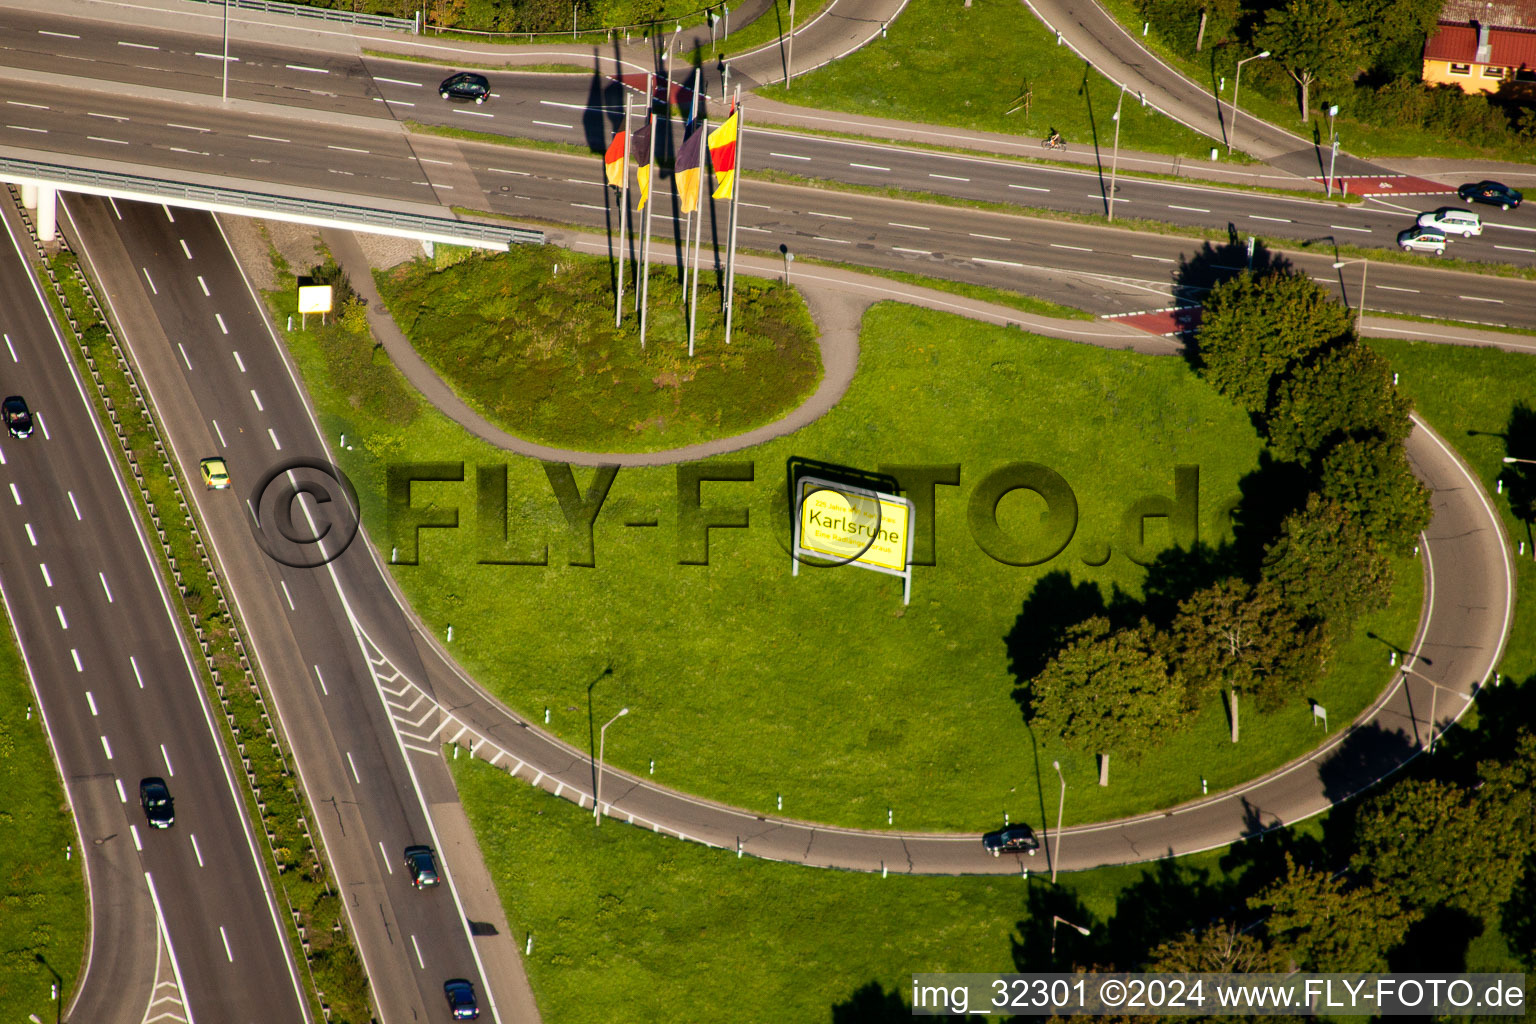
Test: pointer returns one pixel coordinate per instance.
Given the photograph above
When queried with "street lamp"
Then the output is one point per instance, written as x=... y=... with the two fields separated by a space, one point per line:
x=1114 y=164
x=1511 y=458
x=1055 y=920
x=1434 y=693
x=1365 y=266
x=1236 y=82
x=1333 y=110
x=597 y=796
x=1061 y=810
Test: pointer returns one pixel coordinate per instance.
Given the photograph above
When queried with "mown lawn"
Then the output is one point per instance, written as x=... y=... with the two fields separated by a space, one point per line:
x=43 y=913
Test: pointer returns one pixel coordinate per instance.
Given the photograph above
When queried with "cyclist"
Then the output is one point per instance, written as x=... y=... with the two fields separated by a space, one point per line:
x=1054 y=139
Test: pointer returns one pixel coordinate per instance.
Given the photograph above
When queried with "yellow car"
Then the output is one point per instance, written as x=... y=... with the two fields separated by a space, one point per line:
x=215 y=474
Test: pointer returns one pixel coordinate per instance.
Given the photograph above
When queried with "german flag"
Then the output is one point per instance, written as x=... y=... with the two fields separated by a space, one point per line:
x=722 y=155
x=640 y=153
x=687 y=173
x=613 y=161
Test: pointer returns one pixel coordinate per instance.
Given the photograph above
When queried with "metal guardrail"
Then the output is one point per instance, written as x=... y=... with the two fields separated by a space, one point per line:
x=322 y=14
x=259 y=203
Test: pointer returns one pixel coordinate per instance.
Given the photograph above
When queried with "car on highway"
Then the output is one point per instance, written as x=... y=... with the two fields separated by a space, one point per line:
x=1422 y=239
x=215 y=473
x=421 y=866
x=461 y=998
x=159 y=808
x=466 y=85
x=1013 y=839
x=18 y=419
x=1451 y=221
x=1494 y=193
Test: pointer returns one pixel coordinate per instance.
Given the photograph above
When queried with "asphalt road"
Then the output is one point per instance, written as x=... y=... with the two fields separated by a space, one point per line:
x=122 y=700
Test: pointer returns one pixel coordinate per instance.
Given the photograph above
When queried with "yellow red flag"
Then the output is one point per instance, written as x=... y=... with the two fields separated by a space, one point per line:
x=722 y=156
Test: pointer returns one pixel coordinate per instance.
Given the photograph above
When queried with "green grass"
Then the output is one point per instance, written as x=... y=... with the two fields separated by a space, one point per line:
x=745 y=683
x=43 y=910
x=527 y=339
x=1013 y=300
x=946 y=64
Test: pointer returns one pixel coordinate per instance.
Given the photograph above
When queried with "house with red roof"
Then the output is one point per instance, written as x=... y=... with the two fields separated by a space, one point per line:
x=1481 y=44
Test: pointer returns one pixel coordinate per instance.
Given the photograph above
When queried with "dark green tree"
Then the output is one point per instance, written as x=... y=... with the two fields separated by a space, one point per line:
x=1392 y=33
x=1255 y=329
x=1107 y=691
x=1369 y=477
x=1314 y=40
x=1343 y=391
x=1325 y=566
x=1219 y=948
x=1331 y=925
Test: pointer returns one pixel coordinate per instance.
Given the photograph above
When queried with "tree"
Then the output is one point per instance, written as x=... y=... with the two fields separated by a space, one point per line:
x=1332 y=926
x=1107 y=691
x=1371 y=480
x=1314 y=40
x=1255 y=329
x=1344 y=390
x=1219 y=948
x=1392 y=33
x=1325 y=566
x=1244 y=638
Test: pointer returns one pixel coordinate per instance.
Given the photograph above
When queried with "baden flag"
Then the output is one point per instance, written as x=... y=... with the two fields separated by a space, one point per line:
x=640 y=152
x=722 y=156
x=686 y=172
x=613 y=161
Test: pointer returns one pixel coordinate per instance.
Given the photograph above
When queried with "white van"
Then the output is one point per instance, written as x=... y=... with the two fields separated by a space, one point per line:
x=1453 y=221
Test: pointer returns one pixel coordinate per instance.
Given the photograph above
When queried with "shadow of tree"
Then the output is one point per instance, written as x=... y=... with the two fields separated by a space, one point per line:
x=1519 y=478
x=1355 y=764
x=871 y=1003
x=1437 y=942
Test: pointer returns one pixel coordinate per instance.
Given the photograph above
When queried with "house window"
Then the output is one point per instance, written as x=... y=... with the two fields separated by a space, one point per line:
x=1492 y=72
x=1461 y=69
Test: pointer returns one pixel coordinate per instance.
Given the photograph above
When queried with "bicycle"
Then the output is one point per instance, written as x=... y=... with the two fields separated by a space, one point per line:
x=1054 y=142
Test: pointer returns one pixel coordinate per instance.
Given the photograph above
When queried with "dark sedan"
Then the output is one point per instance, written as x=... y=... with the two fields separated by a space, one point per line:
x=1014 y=839
x=18 y=419
x=461 y=998
x=1494 y=193
x=159 y=808
x=421 y=866
x=466 y=85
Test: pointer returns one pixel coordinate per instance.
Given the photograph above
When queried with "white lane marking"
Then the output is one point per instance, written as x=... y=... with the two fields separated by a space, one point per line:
x=834 y=216
x=107 y=747
x=91 y=700
x=1277 y=220
x=184 y=358
x=167 y=758
x=1191 y=209
x=168 y=214
x=398 y=103
x=184 y=248
x=227 y=952
x=1514 y=248
x=215 y=56
x=152 y=288
x=137 y=46
x=588 y=206
x=546 y=124
x=240 y=363
x=73 y=505
x=397 y=81
x=476 y=113
x=11 y=348
x=1100 y=196
x=74 y=654
x=24 y=128
x=46 y=578
x=136 y=844
x=305 y=67
x=103 y=577
x=63 y=622
x=61 y=35
x=216 y=430
x=1479 y=298
x=257 y=399
x=1156 y=259
x=527 y=174
x=322 y=681
x=284 y=585
x=991 y=238
x=748 y=227
x=425 y=160
x=19 y=103
x=204 y=285
x=1000 y=263
x=134 y=662
x=273 y=435
x=758 y=206
x=348 y=149
x=30 y=535
x=99 y=138
x=15 y=494
x=122 y=796
x=115 y=210
x=106 y=117
x=353 y=765
x=947 y=177
x=193 y=837
x=913 y=227
x=1029 y=188
x=187 y=127
x=789 y=156
x=419 y=962
x=1346 y=227
x=42 y=425
x=920 y=252
x=868 y=167
x=1395 y=288
x=268 y=138
x=1079 y=248
x=838 y=241
x=220 y=318
x=387 y=866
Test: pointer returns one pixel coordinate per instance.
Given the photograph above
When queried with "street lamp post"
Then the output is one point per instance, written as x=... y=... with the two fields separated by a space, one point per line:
x=1333 y=110
x=1365 y=266
x=1236 y=82
x=1114 y=165
x=597 y=796
x=1434 y=693
x=1055 y=920
x=1061 y=810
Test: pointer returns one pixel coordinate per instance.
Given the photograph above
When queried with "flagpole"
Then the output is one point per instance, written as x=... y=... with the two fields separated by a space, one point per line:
x=693 y=110
x=693 y=300
x=618 y=305
x=644 y=294
x=730 y=258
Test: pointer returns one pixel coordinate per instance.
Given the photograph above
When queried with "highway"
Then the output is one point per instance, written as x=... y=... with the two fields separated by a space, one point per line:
x=122 y=700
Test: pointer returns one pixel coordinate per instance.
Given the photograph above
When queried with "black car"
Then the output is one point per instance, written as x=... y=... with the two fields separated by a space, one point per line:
x=466 y=85
x=1014 y=839
x=159 y=808
x=461 y=998
x=18 y=419
x=421 y=866
x=1494 y=193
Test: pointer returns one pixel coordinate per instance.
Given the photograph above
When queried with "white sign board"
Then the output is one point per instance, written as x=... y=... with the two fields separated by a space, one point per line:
x=849 y=525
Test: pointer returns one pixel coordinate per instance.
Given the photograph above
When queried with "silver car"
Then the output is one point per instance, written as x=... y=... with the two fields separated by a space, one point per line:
x=1452 y=221
x=1422 y=239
